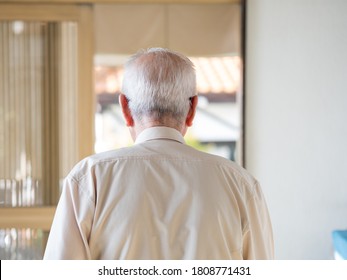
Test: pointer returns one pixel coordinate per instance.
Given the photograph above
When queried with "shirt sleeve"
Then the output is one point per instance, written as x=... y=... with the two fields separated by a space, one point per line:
x=69 y=234
x=258 y=241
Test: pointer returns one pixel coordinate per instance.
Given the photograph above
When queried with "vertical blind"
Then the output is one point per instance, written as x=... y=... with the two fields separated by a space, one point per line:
x=38 y=110
x=38 y=122
x=21 y=93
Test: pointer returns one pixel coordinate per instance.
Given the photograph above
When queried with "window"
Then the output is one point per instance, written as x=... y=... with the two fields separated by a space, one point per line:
x=209 y=34
x=217 y=126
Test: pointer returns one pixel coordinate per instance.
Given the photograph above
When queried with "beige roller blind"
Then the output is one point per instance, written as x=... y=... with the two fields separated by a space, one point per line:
x=204 y=30
x=194 y=29
x=123 y=29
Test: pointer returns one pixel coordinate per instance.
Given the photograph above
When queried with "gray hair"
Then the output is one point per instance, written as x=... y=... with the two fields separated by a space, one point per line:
x=158 y=84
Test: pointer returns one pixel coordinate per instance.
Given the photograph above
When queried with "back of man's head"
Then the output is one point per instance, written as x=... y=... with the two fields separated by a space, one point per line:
x=158 y=84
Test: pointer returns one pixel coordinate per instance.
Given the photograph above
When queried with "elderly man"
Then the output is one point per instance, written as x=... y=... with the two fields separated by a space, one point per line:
x=160 y=198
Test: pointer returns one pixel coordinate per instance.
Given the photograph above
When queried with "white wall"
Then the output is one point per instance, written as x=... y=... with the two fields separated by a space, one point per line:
x=296 y=114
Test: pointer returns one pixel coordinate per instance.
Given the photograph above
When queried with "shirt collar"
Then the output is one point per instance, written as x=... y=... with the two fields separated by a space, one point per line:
x=159 y=132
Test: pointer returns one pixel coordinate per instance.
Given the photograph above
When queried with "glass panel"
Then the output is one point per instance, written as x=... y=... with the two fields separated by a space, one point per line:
x=217 y=124
x=22 y=244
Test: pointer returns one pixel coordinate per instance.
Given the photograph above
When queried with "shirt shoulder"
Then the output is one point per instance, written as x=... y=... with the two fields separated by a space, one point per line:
x=168 y=151
x=227 y=166
x=86 y=165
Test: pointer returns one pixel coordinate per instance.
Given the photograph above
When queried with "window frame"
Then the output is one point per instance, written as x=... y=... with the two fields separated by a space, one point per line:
x=41 y=217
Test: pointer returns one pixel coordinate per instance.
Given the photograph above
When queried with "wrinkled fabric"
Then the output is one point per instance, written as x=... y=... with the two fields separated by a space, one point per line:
x=160 y=199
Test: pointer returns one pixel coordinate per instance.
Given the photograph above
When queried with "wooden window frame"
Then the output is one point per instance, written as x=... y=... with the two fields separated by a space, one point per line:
x=41 y=217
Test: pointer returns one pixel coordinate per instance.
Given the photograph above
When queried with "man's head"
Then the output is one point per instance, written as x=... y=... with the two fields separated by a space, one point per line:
x=159 y=88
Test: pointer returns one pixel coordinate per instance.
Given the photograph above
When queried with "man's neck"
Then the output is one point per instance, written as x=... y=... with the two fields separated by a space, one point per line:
x=144 y=124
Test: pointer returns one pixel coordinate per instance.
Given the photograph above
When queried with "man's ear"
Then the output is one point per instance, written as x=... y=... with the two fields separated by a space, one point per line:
x=192 y=110
x=124 y=103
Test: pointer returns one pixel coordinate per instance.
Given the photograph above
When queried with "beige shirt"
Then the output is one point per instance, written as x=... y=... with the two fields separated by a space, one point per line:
x=160 y=199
